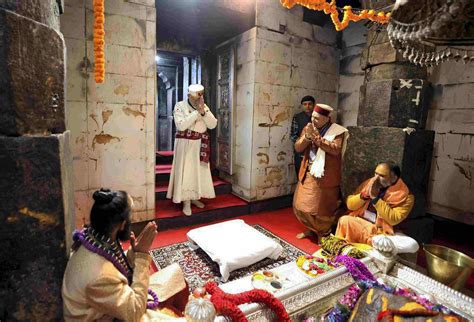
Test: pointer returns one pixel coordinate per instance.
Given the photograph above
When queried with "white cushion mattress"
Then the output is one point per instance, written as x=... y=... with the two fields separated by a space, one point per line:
x=234 y=244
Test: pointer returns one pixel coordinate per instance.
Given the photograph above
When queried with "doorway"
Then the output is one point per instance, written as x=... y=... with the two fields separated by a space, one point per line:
x=175 y=72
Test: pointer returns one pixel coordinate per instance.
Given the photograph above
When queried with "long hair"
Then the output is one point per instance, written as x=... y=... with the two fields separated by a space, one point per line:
x=110 y=209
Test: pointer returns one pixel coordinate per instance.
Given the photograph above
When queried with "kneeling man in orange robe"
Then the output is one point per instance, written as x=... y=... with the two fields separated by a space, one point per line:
x=379 y=203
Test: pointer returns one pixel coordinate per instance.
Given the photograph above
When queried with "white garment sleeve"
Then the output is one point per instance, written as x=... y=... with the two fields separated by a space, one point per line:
x=209 y=119
x=183 y=119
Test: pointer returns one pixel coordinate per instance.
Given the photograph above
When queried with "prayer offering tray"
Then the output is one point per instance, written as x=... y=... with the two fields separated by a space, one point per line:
x=313 y=297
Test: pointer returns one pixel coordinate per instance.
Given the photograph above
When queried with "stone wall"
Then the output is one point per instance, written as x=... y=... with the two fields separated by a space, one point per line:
x=351 y=77
x=451 y=116
x=112 y=124
x=36 y=213
x=278 y=62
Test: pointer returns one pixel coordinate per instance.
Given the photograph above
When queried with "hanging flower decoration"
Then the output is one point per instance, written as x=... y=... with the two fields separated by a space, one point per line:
x=331 y=9
x=99 y=35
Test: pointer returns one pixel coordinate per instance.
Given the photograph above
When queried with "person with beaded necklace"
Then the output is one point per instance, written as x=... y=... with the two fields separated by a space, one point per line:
x=103 y=282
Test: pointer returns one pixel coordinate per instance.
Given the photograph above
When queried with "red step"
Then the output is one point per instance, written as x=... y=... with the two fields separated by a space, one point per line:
x=167 y=209
x=221 y=187
x=163 y=186
x=164 y=153
x=164 y=157
x=163 y=168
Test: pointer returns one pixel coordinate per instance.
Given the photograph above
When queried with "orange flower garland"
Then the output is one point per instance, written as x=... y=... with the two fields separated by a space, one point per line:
x=99 y=35
x=331 y=8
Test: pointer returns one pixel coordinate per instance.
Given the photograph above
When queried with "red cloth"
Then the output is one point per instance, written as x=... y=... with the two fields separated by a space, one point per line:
x=193 y=135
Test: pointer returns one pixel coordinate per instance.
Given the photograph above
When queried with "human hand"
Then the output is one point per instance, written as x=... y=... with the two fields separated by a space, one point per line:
x=374 y=188
x=201 y=105
x=142 y=244
x=309 y=131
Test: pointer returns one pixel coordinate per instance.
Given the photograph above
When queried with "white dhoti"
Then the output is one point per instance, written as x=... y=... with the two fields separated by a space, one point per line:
x=190 y=178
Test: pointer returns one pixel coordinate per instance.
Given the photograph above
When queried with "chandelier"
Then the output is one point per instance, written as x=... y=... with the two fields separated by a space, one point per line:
x=429 y=32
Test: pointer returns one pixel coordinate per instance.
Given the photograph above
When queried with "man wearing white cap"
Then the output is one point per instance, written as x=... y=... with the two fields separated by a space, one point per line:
x=317 y=194
x=191 y=178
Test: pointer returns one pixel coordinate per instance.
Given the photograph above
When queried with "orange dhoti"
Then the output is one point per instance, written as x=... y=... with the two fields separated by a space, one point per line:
x=314 y=206
x=356 y=229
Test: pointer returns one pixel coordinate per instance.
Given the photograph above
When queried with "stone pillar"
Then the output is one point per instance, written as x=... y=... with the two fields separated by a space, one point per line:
x=395 y=96
x=36 y=192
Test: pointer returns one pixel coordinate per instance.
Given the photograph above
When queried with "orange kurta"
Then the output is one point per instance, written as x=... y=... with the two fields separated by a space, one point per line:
x=392 y=209
x=315 y=199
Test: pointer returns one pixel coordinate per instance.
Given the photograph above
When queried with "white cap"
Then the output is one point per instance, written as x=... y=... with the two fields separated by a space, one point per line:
x=195 y=88
x=323 y=109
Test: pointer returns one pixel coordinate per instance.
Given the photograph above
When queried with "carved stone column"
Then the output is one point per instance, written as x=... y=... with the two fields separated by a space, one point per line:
x=36 y=195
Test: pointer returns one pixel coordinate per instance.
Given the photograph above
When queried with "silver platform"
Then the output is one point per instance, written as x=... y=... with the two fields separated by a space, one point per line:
x=315 y=296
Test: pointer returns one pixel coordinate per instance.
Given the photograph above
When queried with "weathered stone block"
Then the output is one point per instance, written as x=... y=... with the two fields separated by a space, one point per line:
x=31 y=84
x=395 y=71
x=394 y=103
x=350 y=65
x=274 y=74
x=36 y=222
x=354 y=34
x=368 y=146
x=274 y=52
x=44 y=11
x=379 y=54
x=375 y=36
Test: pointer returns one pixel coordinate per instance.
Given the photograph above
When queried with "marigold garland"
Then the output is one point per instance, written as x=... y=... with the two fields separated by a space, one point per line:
x=330 y=8
x=99 y=35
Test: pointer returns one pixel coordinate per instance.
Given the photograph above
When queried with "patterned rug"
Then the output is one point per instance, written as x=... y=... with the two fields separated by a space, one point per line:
x=198 y=267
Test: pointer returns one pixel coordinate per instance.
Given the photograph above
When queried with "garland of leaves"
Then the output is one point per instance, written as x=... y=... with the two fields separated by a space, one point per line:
x=99 y=35
x=330 y=8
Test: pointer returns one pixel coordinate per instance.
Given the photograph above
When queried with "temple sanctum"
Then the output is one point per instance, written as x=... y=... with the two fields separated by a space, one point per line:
x=236 y=160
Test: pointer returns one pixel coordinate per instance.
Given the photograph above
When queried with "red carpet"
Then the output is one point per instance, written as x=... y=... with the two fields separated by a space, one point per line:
x=284 y=224
x=280 y=222
x=168 y=209
x=163 y=186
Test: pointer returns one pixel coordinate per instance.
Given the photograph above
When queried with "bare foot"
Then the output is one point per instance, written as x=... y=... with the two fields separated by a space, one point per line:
x=305 y=234
x=198 y=203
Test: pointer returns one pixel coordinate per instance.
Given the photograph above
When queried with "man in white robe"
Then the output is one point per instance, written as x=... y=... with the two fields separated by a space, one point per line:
x=191 y=178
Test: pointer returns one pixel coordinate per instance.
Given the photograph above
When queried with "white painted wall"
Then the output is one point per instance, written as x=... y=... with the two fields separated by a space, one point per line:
x=112 y=124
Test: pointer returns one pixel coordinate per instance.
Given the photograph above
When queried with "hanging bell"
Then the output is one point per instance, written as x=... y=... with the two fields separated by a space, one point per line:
x=457 y=56
x=449 y=54
x=465 y=58
x=412 y=55
x=405 y=52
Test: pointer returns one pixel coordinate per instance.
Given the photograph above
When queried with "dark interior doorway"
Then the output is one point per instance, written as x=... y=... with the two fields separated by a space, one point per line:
x=175 y=72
